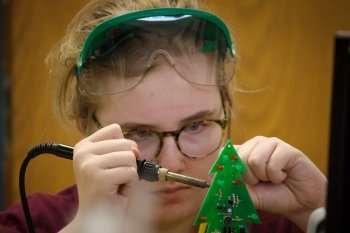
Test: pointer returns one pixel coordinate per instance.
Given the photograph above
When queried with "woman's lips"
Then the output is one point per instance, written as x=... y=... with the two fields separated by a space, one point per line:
x=171 y=193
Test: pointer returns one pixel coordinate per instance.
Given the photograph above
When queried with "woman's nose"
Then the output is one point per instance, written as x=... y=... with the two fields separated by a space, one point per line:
x=170 y=155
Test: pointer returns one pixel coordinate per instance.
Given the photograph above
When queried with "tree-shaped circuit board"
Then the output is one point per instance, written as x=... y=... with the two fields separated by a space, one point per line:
x=227 y=206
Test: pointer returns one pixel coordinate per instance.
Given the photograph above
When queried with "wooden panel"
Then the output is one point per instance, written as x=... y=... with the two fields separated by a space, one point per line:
x=35 y=27
x=285 y=68
x=285 y=51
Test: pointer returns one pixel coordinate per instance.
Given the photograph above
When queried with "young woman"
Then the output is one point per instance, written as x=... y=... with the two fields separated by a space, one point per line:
x=151 y=79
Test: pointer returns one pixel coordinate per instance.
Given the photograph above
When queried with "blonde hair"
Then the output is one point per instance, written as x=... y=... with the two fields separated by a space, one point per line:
x=72 y=102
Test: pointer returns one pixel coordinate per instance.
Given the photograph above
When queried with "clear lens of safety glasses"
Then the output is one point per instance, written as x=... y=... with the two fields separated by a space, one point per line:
x=118 y=53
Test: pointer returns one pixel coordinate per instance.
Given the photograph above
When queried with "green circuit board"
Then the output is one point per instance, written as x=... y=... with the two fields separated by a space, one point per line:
x=227 y=206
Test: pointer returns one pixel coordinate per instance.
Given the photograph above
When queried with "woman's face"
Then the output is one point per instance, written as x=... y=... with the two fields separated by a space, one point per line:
x=164 y=101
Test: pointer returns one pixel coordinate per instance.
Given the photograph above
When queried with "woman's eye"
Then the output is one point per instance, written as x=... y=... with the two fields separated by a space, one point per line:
x=139 y=134
x=195 y=126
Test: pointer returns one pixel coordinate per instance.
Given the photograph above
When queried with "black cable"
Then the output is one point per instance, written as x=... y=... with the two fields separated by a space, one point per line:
x=60 y=150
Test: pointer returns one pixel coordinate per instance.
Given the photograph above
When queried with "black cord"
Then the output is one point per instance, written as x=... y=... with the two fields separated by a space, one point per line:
x=59 y=150
x=147 y=170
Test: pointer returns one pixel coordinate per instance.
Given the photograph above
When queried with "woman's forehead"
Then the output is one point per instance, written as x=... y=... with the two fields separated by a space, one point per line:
x=154 y=100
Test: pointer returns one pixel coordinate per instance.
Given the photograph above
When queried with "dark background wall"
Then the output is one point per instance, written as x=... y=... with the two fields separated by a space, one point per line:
x=2 y=107
x=4 y=98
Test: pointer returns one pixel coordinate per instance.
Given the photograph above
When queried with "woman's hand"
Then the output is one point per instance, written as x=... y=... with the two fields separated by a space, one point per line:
x=104 y=167
x=282 y=180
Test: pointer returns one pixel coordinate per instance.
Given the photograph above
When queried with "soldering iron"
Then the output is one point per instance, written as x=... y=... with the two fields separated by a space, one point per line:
x=147 y=170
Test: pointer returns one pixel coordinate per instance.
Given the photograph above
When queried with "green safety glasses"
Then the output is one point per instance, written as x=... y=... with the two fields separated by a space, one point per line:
x=195 y=43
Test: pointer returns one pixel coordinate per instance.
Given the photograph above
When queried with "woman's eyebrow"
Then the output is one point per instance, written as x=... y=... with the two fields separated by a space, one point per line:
x=198 y=116
x=128 y=126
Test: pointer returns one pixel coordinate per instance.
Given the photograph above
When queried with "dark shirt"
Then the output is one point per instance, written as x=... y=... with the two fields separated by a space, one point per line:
x=50 y=213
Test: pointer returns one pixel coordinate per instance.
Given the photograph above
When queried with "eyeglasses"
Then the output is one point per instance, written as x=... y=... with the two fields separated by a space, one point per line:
x=196 y=139
x=126 y=45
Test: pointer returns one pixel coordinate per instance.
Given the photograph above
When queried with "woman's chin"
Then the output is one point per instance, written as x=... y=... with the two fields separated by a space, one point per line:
x=176 y=212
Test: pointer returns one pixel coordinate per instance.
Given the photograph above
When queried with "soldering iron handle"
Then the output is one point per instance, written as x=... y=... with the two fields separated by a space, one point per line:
x=147 y=170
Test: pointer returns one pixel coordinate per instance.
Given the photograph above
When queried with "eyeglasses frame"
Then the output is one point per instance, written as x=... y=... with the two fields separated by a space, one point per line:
x=174 y=133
